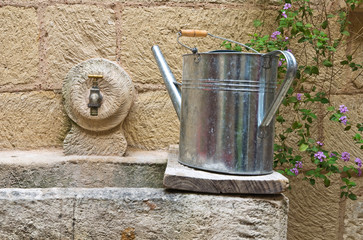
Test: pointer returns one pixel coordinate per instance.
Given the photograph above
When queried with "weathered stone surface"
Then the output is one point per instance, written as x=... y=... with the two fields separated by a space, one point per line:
x=356 y=44
x=353 y=220
x=76 y=33
x=144 y=27
x=138 y=2
x=50 y=168
x=152 y=122
x=314 y=210
x=109 y=213
x=31 y=120
x=80 y=141
x=19 y=56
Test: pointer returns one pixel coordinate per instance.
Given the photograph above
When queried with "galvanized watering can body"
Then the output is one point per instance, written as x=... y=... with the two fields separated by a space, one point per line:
x=227 y=110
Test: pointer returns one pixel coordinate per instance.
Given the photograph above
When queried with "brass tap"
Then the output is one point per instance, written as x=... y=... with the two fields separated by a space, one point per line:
x=95 y=97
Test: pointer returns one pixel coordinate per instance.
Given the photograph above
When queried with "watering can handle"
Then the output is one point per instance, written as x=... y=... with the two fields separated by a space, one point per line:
x=289 y=77
x=203 y=33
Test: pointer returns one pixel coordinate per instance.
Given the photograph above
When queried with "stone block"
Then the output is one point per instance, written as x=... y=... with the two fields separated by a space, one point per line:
x=314 y=210
x=51 y=168
x=353 y=220
x=19 y=59
x=32 y=120
x=145 y=213
x=152 y=122
x=75 y=33
x=143 y=27
x=356 y=44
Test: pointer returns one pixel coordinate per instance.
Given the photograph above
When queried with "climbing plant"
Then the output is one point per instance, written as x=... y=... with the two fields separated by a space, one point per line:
x=317 y=36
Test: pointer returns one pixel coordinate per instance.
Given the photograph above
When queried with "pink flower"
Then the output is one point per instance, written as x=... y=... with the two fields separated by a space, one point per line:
x=298 y=164
x=343 y=109
x=320 y=155
x=358 y=162
x=295 y=171
x=274 y=34
x=345 y=156
x=287 y=6
x=343 y=120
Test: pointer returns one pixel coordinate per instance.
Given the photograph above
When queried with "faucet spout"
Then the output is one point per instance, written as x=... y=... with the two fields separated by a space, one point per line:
x=95 y=96
x=172 y=86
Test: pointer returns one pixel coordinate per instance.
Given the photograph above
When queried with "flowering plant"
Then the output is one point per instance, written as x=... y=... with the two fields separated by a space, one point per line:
x=319 y=64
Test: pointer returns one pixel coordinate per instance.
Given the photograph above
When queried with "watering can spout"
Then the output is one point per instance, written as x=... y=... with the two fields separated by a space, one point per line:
x=172 y=86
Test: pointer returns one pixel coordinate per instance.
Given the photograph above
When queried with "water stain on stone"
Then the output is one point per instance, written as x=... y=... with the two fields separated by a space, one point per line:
x=128 y=234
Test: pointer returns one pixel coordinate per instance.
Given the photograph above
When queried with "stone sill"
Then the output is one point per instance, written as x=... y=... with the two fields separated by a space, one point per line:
x=49 y=168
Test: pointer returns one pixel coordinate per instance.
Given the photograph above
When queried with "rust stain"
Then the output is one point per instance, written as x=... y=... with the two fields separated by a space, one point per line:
x=151 y=205
x=128 y=234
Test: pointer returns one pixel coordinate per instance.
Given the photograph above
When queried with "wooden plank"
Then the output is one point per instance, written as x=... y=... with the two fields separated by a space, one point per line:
x=178 y=176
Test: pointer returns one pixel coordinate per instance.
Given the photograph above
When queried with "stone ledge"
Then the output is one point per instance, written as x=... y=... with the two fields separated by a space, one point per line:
x=50 y=168
x=145 y=213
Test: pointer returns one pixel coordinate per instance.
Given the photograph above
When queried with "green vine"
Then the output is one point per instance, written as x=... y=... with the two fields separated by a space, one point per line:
x=320 y=36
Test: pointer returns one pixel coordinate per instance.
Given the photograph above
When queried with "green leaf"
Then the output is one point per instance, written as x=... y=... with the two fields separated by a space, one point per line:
x=296 y=125
x=353 y=184
x=324 y=24
x=347 y=128
x=313 y=115
x=326 y=182
x=303 y=147
x=349 y=57
x=352 y=196
x=357 y=137
x=307 y=70
x=330 y=16
x=345 y=180
x=346 y=33
x=257 y=23
x=315 y=70
x=282 y=137
x=330 y=109
x=303 y=39
x=280 y=119
x=292 y=100
x=327 y=63
x=324 y=100
x=345 y=62
x=312 y=181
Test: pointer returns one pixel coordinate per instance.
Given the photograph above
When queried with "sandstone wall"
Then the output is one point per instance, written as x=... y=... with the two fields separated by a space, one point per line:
x=41 y=40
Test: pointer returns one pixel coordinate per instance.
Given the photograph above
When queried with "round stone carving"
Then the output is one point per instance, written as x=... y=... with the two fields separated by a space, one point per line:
x=115 y=87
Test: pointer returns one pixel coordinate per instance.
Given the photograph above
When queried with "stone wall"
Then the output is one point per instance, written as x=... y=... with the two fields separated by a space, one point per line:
x=41 y=40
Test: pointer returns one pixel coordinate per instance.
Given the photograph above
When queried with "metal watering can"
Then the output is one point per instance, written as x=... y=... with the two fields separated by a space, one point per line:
x=226 y=105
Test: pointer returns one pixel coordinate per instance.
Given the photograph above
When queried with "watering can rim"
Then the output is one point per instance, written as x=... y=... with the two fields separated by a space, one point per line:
x=226 y=53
